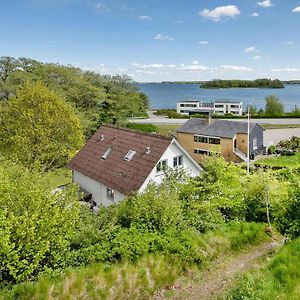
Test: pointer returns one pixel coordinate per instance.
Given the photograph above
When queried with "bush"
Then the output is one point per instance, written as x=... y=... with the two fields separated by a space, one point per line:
x=287 y=152
x=170 y=113
x=156 y=209
x=35 y=224
x=292 y=143
x=287 y=213
x=271 y=149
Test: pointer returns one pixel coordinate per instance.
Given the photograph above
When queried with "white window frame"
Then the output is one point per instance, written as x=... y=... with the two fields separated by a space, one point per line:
x=177 y=161
x=254 y=143
x=161 y=166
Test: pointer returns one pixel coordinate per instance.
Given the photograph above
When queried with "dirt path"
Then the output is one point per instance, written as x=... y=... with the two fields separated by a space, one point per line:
x=212 y=282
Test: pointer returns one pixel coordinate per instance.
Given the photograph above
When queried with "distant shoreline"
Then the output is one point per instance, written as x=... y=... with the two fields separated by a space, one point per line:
x=287 y=82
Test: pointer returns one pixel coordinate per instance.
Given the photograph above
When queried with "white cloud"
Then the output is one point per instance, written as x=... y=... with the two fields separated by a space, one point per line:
x=229 y=11
x=153 y=66
x=195 y=62
x=202 y=42
x=288 y=43
x=236 y=68
x=147 y=72
x=257 y=57
x=255 y=14
x=162 y=37
x=279 y=70
x=145 y=18
x=251 y=49
x=265 y=3
x=296 y=10
x=193 y=68
x=101 y=8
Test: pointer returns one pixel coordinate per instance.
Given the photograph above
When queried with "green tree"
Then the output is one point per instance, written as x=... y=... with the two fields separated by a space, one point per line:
x=273 y=106
x=36 y=225
x=39 y=128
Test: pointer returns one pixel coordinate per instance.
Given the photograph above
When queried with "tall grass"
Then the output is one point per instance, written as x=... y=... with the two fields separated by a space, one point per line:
x=139 y=280
x=279 y=279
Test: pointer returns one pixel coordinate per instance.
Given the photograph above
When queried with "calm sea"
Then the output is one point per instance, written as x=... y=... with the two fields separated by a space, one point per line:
x=164 y=95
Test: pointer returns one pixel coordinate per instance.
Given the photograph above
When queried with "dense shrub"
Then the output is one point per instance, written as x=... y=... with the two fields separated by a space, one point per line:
x=271 y=149
x=170 y=113
x=287 y=152
x=35 y=225
x=156 y=209
x=287 y=213
x=292 y=143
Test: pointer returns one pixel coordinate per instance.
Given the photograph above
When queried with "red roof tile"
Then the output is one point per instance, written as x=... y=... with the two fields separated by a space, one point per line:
x=115 y=172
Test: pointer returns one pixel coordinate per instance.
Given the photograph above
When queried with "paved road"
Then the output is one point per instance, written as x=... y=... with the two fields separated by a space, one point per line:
x=162 y=120
x=154 y=119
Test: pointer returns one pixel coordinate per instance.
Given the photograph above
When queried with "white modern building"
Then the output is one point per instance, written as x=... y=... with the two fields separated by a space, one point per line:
x=221 y=107
x=118 y=161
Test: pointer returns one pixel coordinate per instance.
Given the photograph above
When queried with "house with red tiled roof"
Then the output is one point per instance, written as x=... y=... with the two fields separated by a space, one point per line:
x=118 y=161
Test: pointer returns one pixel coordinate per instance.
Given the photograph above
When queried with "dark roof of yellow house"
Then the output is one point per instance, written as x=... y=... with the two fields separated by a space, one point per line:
x=216 y=128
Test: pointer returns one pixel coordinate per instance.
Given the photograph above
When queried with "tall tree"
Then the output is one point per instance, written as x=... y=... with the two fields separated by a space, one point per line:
x=273 y=106
x=39 y=128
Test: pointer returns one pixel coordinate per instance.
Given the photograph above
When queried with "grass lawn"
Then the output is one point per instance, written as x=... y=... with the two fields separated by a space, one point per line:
x=279 y=126
x=281 y=161
x=166 y=129
x=59 y=177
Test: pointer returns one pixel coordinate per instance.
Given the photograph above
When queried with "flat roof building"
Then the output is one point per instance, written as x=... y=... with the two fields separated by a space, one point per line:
x=220 y=107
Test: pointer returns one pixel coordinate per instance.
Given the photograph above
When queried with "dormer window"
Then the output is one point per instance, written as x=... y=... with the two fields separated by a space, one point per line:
x=106 y=153
x=130 y=154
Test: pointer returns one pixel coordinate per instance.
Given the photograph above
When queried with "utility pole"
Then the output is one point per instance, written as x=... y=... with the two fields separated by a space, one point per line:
x=248 y=142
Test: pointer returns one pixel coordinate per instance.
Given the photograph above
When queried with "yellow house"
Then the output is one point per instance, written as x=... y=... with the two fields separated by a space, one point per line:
x=202 y=136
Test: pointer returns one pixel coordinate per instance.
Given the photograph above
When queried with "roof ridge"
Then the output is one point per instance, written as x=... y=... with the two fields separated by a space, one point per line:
x=137 y=131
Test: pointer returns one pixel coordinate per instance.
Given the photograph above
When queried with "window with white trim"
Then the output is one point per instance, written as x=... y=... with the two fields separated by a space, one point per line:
x=178 y=161
x=161 y=166
x=255 y=143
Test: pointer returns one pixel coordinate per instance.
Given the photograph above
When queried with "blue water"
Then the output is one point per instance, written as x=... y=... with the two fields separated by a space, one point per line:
x=164 y=95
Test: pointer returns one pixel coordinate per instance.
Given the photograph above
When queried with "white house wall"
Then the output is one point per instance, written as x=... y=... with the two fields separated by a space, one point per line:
x=97 y=189
x=172 y=151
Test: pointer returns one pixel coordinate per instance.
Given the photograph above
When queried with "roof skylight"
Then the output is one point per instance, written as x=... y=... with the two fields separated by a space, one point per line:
x=106 y=153
x=130 y=154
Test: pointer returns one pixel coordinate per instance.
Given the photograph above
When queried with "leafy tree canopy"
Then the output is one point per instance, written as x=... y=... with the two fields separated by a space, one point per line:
x=257 y=83
x=97 y=98
x=39 y=128
x=273 y=106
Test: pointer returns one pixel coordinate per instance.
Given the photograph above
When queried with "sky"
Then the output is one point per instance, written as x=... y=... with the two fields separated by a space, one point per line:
x=158 y=40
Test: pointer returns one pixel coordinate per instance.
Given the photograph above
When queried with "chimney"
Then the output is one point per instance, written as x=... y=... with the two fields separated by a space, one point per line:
x=102 y=137
x=147 y=150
